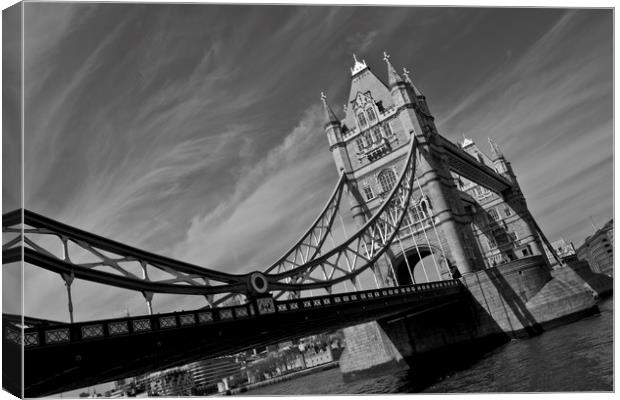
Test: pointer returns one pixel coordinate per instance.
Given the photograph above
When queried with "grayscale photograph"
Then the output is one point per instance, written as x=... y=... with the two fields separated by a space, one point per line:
x=296 y=199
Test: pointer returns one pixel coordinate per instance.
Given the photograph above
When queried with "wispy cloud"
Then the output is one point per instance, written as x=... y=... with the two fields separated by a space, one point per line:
x=360 y=42
x=172 y=129
x=276 y=197
x=550 y=108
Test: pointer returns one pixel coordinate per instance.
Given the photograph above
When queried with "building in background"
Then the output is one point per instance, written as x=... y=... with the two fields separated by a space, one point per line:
x=171 y=382
x=598 y=250
x=479 y=227
x=564 y=250
x=193 y=379
x=207 y=373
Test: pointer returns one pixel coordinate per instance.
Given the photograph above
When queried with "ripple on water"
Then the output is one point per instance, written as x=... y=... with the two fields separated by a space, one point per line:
x=573 y=357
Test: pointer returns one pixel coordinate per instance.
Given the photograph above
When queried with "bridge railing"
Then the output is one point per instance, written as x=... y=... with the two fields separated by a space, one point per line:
x=63 y=334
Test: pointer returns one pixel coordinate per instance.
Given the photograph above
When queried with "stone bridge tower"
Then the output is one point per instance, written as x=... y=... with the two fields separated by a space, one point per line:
x=464 y=232
x=468 y=207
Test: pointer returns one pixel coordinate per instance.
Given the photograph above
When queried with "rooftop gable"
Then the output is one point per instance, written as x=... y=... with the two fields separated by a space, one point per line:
x=364 y=82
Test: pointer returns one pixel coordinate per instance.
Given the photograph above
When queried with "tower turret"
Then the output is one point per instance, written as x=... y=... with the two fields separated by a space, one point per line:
x=499 y=161
x=419 y=97
x=358 y=66
x=496 y=152
x=398 y=87
x=338 y=148
x=333 y=129
x=330 y=116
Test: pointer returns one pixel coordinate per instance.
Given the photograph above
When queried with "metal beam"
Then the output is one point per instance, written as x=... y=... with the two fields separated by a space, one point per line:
x=467 y=166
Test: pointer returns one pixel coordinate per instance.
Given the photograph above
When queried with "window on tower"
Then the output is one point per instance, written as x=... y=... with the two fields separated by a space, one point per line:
x=361 y=119
x=420 y=212
x=376 y=134
x=368 y=192
x=368 y=138
x=360 y=144
x=371 y=115
x=493 y=214
x=424 y=207
x=387 y=130
x=387 y=179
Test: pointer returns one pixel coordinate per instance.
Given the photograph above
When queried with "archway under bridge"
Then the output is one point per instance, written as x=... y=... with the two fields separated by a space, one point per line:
x=424 y=264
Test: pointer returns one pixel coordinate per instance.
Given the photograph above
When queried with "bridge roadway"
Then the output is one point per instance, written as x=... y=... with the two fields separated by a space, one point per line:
x=61 y=357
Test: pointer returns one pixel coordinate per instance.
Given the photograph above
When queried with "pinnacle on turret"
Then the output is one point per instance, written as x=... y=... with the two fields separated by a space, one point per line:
x=393 y=77
x=329 y=113
x=495 y=150
x=466 y=141
x=358 y=66
x=410 y=82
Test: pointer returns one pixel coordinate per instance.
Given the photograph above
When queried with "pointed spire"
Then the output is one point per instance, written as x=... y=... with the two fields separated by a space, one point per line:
x=393 y=76
x=466 y=141
x=358 y=66
x=329 y=113
x=406 y=73
x=495 y=150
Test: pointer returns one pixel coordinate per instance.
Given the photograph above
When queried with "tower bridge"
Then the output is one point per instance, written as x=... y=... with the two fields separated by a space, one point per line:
x=444 y=252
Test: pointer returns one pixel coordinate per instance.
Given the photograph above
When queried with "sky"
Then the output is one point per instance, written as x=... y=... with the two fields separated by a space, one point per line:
x=196 y=131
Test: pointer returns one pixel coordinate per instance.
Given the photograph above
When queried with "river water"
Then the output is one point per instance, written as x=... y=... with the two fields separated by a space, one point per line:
x=573 y=357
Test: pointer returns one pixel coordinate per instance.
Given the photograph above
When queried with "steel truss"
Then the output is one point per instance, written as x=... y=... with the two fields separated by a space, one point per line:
x=363 y=249
x=75 y=253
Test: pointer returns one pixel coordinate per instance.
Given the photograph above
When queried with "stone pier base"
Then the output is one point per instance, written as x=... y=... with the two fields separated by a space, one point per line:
x=369 y=351
x=516 y=299
x=578 y=271
x=522 y=297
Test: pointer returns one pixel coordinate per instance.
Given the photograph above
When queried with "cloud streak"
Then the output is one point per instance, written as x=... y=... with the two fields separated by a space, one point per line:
x=195 y=131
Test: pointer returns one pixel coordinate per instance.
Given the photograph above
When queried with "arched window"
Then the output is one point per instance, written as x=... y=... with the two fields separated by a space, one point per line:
x=493 y=214
x=387 y=179
x=424 y=207
x=360 y=143
x=387 y=130
x=371 y=115
x=368 y=138
x=376 y=134
x=362 y=119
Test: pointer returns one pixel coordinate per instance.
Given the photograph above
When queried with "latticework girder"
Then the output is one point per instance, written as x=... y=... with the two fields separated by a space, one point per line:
x=363 y=249
x=309 y=264
x=61 y=248
x=73 y=252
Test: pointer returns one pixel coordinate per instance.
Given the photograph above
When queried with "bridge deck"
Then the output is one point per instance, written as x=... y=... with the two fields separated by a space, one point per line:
x=67 y=356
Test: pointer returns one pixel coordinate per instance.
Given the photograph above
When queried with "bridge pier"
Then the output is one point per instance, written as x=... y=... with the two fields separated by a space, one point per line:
x=516 y=299
x=369 y=351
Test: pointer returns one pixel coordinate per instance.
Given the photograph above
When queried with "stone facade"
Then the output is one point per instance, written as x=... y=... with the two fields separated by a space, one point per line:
x=464 y=224
x=564 y=250
x=501 y=222
x=468 y=211
x=598 y=250
x=369 y=350
x=517 y=299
